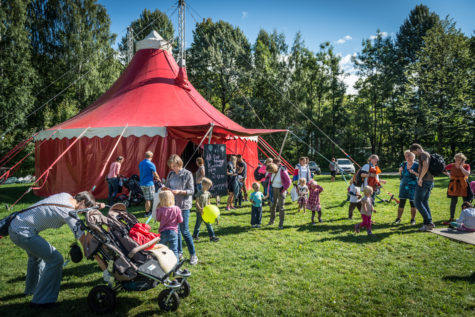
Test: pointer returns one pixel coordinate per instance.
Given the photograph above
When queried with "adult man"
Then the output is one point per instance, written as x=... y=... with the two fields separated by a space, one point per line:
x=148 y=172
x=424 y=186
x=45 y=263
x=242 y=170
x=279 y=183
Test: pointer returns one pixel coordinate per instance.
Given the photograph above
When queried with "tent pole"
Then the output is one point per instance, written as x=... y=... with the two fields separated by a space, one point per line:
x=211 y=133
x=283 y=143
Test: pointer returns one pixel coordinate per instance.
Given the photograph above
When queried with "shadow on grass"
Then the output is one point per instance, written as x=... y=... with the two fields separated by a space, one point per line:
x=224 y=231
x=75 y=307
x=76 y=285
x=454 y=278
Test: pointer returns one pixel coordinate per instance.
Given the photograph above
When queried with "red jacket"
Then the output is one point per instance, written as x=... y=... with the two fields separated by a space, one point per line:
x=141 y=234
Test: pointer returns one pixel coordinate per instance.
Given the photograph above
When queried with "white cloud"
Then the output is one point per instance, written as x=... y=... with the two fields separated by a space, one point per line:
x=350 y=77
x=344 y=39
x=383 y=34
x=244 y=14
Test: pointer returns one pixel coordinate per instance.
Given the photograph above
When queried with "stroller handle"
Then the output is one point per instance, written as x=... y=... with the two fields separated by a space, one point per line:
x=75 y=213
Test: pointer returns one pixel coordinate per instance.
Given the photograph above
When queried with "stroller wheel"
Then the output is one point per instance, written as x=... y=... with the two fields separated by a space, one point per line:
x=101 y=299
x=126 y=203
x=185 y=288
x=168 y=300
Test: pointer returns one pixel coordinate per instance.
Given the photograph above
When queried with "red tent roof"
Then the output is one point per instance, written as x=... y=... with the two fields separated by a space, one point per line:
x=148 y=98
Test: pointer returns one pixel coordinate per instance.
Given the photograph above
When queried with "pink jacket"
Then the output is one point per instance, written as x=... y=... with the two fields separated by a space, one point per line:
x=285 y=179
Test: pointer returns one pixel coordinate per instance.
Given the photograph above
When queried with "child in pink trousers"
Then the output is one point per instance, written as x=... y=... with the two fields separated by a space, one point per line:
x=367 y=210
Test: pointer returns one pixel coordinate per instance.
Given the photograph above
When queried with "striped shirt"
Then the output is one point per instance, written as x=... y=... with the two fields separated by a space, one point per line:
x=35 y=220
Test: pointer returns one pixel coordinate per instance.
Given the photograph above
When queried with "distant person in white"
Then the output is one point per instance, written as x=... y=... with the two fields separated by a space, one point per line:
x=45 y=263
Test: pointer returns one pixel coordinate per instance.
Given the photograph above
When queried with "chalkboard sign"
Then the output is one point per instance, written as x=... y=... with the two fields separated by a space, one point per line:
x=215 y=168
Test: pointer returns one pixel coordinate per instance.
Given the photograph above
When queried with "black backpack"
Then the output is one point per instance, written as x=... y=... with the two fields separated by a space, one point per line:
x=436 y=164
x=258 y=176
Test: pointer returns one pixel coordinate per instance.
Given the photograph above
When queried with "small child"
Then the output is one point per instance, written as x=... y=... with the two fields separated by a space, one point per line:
x=256 y=209
x=355 y=198
x=466 y=222
x=202 y=200
x=169 y=217
x=303 y=194
x=313 y=202
x=238 y=197
x=366 y=211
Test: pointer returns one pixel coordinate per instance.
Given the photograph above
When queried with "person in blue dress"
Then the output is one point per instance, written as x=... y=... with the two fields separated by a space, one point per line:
x=408 y=173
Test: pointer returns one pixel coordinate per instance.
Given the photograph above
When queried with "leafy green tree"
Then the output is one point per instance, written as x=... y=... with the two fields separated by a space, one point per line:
x=147 y=22
x=17 y=75
x=219 y=61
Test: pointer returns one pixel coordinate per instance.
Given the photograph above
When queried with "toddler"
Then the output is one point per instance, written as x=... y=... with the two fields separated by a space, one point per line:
x=355 y=198
x=366 y=211
x=313 y=202
x=256 y=209
x=202 y=200
x=169 y=217
x=303 y=194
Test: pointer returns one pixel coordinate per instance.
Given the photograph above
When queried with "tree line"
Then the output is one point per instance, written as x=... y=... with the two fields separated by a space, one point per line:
x=57 y=57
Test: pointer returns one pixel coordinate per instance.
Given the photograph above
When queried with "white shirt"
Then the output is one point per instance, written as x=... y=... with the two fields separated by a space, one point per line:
x=277 y=181
x=467 y=217
x=354 y=190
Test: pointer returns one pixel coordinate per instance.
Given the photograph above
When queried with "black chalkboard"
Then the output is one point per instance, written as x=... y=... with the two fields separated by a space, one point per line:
x=215 y=168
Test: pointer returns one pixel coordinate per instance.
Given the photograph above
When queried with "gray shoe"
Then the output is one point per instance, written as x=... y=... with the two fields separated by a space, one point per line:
x=194 y=259
x=428 y=227
x=413 y=222
x=397 y=221
x=281 y=227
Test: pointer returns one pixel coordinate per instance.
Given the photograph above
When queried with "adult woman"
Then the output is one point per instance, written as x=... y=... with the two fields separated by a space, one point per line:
x=180 y=182
x=459 y=173
x=232 y=181
x=302 y=170
x=113 y=178
x=200 y=173
x=45 y=263
x=407 y=186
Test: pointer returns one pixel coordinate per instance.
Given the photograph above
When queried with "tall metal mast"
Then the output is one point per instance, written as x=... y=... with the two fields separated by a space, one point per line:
x=130 y=44
x=181 y=32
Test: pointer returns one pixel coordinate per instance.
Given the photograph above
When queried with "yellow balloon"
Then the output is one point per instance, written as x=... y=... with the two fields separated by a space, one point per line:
x=210 y=213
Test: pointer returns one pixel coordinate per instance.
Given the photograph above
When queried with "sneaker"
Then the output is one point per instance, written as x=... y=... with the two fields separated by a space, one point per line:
x=214 y=239
x=428 y=227
x=180 y=256
x=357 y=228
x=281 y=227
x=196 y=238
x=413 y=222
x=228 y=209
x=270 y=223
x=397 y=221
x=258 y=226
x=314 y=223
x=446 y=223
x=194 y=259
x=320 y=220
x=369 y=233
x=431 y=226
x=232 y=207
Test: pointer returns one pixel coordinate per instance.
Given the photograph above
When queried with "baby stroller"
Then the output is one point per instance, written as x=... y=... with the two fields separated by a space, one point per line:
x=127 y=265
x=135 y=196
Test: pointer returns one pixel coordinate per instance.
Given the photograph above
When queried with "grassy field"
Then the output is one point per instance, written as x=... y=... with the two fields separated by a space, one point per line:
x=322 y=270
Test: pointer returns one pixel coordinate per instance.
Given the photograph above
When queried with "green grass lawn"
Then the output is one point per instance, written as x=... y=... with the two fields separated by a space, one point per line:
x=302 y=270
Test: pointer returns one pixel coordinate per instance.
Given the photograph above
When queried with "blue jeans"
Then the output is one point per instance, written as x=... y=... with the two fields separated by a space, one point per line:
x=186 y=234
x=199 y=220
x=113 y=189
x=45 y=268
x=421 y=200
x=199 y=187
x=170 y=239
x=256 y=215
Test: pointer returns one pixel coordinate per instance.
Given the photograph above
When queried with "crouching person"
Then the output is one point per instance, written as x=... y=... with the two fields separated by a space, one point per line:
x=45 y=263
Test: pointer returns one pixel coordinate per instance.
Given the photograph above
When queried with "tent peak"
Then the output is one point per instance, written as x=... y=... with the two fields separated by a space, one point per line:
x=155 y=41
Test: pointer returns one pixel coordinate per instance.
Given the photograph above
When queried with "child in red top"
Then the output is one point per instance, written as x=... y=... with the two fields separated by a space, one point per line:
x=313 y=202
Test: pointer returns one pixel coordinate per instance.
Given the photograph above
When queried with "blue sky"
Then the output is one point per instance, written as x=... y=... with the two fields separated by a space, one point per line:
x=344 y=23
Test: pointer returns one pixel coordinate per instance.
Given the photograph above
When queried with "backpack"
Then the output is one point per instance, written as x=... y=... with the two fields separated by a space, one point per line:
x=258 y=176
x=436 y=164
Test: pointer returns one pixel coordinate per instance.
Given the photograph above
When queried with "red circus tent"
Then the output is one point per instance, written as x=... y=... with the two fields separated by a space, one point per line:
x=160 y=111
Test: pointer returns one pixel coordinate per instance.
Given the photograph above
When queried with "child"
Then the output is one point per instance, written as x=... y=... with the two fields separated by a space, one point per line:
x=238 y=194
x=313 y=202
x=366 y=210
x=466 y=222
x=303 y=194
x=256 y=209
x=355 y=197
x=202 y=200
x=169 y=217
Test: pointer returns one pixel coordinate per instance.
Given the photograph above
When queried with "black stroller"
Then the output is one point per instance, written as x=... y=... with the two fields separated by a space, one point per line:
x=126 y=265
x=135 y=196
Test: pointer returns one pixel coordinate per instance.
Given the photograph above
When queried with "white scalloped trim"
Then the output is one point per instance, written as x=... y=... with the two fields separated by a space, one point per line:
x=102 y=132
